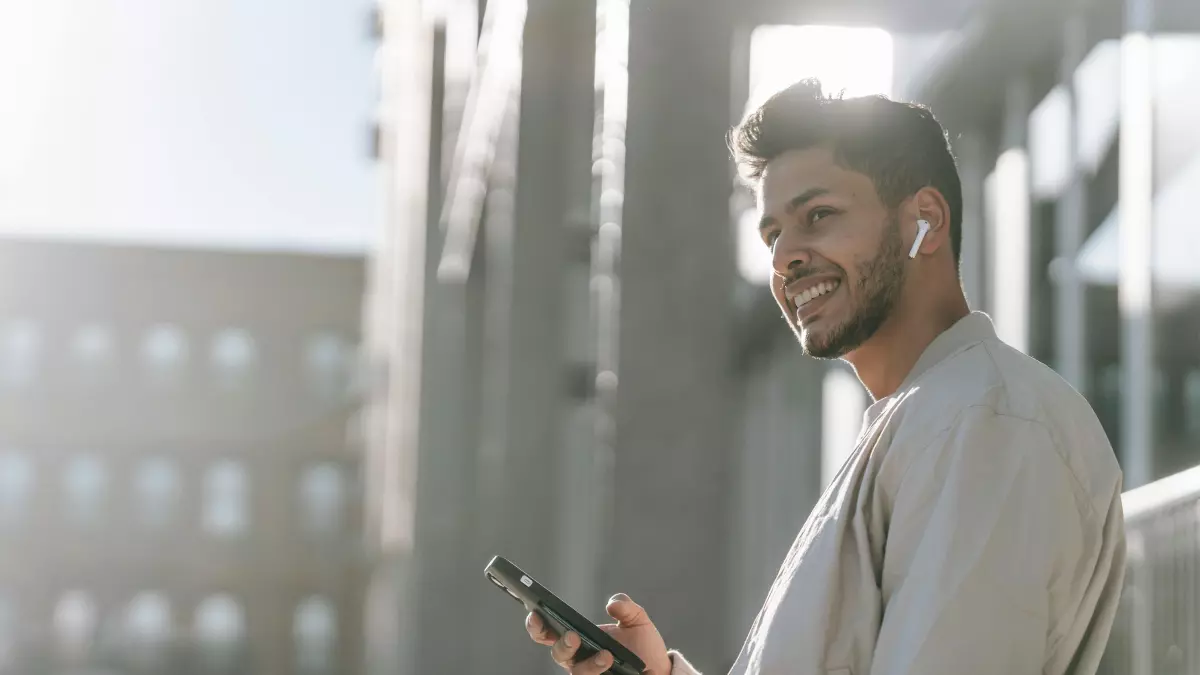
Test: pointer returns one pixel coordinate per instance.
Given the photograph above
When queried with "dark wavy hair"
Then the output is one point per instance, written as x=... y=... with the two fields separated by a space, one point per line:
x=901 y=147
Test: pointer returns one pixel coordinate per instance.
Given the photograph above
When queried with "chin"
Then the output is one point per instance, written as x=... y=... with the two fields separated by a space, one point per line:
x=824 y=342
x=816 y=343
x=823 y=351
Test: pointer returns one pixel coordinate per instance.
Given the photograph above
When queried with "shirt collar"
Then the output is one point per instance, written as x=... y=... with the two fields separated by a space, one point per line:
x=972 y=329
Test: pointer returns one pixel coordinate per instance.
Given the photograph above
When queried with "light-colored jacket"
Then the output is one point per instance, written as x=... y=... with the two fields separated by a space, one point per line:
x=976 y=528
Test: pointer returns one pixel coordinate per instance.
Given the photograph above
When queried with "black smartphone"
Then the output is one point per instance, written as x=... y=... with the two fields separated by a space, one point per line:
x=560 y=616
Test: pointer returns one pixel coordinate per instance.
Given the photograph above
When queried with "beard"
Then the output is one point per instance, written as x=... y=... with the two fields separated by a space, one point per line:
x=873 y=298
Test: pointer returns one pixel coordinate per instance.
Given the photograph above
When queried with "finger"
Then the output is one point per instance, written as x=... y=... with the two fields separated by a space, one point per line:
x=538 y=631
x=563 y=651
x=596 y=665
x=627 y=612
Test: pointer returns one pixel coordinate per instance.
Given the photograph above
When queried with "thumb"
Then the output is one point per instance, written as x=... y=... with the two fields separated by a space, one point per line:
x=627 y=612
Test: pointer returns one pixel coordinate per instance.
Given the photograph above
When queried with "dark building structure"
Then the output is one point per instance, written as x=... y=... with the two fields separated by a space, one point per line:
x=177 y=490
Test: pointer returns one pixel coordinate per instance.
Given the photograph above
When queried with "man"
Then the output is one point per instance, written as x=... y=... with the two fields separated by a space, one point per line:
x=977 y=526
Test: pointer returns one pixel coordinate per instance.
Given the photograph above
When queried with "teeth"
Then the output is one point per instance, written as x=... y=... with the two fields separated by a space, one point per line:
x=815 y=292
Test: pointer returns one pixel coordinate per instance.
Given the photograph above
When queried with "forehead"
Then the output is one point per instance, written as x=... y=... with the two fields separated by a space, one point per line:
x=796 y=172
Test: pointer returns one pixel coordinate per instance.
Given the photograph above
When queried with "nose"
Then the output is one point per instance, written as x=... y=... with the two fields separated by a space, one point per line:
x=789 y=254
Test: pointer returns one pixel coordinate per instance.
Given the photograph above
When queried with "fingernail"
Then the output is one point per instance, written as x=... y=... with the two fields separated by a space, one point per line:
x=619 y=597
x=600 y=659
x=571 y=639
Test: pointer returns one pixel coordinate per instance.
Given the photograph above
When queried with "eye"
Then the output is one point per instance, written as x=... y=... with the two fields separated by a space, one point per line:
x=769 y=238
x=820 y=212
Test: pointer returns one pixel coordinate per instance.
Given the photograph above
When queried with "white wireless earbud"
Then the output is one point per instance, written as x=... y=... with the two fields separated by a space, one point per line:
x=922 y=228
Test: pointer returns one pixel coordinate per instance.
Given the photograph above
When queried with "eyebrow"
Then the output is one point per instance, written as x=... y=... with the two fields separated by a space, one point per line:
x=793 y=204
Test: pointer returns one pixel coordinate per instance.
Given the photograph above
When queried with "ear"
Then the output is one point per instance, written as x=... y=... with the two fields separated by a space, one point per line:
x=930 y=206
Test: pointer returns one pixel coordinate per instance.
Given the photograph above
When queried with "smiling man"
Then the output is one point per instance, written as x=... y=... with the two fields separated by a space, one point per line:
x=977 y=526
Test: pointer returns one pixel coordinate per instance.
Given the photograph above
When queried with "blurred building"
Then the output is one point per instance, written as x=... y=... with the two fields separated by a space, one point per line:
x=577 y=365
x=176 y=490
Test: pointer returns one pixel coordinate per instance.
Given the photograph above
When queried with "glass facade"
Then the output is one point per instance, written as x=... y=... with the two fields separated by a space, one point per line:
x=1175 y=238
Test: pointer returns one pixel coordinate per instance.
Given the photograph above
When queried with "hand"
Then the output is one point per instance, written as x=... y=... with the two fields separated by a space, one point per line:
x=633 y=629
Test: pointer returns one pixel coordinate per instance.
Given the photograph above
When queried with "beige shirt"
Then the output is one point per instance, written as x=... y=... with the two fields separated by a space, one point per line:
x=976 y=528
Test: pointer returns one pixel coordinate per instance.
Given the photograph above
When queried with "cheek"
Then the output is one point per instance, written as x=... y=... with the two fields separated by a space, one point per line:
x=780 y=298
x=848 y=256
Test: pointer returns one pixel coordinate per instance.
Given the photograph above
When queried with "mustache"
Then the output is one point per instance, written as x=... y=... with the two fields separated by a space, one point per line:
x=801 y=274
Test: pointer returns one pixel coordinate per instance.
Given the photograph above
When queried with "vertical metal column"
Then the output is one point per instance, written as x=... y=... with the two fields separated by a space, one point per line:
x=1071 y=345
x=1009 y=239
x=1141 y=605
x=972 y=261
x=1136 y=213
x=612 y=89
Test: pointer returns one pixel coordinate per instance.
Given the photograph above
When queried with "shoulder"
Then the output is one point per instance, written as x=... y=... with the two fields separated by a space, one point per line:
x=990 y=398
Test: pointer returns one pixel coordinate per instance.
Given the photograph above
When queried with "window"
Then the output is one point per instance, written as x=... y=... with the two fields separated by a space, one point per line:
x=20 y=350
x=158 y=491
x=1050 y=162
x=220 y=631
x=1099 y=102
x=234 y=356
x=9 y=632
x=226 y=499
x=220 y=620
x=145 y=632
x=329 y=359
x=93 y=345
x=322 y=498
x=75 y=621
x=315 y=631
x=165 y=353
x=17 y=480
x=85 y=484
x=148 y=619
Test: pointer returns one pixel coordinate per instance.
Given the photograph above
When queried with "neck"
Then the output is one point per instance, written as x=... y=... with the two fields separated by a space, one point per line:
x=885 y=360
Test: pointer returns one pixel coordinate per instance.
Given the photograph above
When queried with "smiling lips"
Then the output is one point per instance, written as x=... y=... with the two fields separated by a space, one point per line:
x=806 y=300
x=813 y=293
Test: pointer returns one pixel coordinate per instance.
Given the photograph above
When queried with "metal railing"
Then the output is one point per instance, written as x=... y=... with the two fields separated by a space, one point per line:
x=1157 y=630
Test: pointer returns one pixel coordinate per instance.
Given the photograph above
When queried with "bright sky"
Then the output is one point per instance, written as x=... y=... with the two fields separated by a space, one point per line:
x=856 y=59
x=211 y=123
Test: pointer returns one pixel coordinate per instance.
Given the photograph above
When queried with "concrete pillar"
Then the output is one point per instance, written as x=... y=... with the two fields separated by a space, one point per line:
x=779 y=472
x=448 y=432
x=675 y=402
x=395 y=311
x=540 y=184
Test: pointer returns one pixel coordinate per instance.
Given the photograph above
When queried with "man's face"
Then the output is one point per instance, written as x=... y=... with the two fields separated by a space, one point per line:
x=836 y=249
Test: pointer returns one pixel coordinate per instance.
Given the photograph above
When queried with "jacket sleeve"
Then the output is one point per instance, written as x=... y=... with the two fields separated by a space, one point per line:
x=986 y=525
